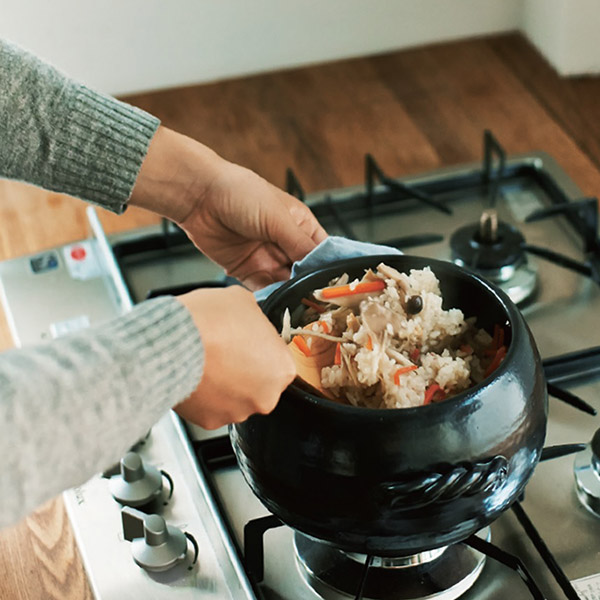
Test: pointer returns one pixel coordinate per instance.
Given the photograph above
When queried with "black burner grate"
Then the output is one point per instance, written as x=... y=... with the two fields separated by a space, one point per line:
x=217 y=453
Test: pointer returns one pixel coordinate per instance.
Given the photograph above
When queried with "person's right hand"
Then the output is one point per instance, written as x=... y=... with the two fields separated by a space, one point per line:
x=246 y=363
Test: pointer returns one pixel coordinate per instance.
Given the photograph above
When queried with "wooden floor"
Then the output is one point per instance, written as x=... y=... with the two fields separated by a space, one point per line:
x=414 y=110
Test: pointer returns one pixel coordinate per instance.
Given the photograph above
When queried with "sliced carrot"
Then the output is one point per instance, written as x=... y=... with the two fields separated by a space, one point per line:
x=500 y=336
x=402 y=371
x=337 y=359
x=324 y=326
x=312 y=304
x=365 y=287
x=497 y=341
x=369 y=344
x=495 y=336
x=500 y=354
x=301 y=344
x=415 y=354
x=431 y=392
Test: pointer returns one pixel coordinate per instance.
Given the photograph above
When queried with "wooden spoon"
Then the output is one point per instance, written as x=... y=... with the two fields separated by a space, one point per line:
x=322 y=353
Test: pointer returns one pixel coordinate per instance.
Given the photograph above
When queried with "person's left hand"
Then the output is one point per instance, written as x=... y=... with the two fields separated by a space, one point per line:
x=254 y=230
x=250 y=227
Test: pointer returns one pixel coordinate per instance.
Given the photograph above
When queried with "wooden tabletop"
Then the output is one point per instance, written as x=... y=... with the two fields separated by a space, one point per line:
x=414 y=110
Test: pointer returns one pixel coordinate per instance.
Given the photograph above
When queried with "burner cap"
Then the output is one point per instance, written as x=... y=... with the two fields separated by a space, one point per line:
x=442 y=573
x=587 y=475
x=490 y=247
x=494 y=250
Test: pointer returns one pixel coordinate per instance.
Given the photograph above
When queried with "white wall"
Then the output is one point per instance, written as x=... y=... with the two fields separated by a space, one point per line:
x=542 y=22
x=122 y=46
x=566 y=32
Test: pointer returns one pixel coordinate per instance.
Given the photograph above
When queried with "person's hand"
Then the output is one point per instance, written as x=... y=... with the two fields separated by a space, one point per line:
x=246 y=364
x=248 y=226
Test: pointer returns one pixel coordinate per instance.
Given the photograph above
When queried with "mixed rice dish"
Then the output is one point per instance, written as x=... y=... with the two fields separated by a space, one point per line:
x=393 y=345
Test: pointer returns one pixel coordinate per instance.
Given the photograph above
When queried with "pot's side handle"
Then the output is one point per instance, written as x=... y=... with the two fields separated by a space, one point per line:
x=465 y=479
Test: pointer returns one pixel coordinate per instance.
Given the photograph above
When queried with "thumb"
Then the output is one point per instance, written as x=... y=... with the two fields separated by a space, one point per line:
x=291 y=237
x=293 y=227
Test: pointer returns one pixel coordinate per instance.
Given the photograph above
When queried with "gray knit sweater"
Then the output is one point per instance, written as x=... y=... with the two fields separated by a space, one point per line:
x=70 y=408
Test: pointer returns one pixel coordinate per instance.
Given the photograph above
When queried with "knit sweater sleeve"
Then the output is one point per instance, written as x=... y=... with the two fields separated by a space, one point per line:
x=64 y=137
x=71 y=408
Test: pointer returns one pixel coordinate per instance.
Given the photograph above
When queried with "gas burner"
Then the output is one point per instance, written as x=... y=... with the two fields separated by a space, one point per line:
x=443 y=573
x=587 y=475
x=495 y=250
x=247 y=554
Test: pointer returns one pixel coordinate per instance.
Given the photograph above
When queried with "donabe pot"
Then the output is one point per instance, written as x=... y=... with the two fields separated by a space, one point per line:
x=393 y=482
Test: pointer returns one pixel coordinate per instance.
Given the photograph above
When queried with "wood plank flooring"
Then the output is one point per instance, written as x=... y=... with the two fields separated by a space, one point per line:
x=572 y=103
x=415 y=110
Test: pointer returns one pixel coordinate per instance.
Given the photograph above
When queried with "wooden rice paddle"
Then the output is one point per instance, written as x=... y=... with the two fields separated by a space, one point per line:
x=321 y=355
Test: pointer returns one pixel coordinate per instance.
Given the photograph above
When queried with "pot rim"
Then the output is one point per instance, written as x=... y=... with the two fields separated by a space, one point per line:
x=465 y=397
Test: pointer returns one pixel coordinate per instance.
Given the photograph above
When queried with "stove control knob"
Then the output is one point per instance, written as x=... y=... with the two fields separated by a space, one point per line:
x=137 y=483
x=155 y=546
x=587 y=475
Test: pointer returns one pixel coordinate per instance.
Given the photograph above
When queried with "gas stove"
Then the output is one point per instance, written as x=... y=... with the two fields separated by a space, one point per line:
x=520 y=222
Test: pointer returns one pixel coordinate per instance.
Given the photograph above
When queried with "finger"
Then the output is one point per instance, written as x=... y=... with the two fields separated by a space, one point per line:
x=284 y=231
x=266 y=264
x=319 y=234
x=308 y=222
x=304 y=218
x=259 y=279
x=293 y=241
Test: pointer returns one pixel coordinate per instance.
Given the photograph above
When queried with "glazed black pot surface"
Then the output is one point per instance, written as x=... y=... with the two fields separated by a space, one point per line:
x=394 y=482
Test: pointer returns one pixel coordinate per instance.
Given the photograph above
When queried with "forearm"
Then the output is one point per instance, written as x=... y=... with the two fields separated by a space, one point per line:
x=73 y=407
x=62 y=136
x=175 y=174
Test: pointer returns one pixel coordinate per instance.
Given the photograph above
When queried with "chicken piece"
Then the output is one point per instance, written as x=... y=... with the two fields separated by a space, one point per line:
x=352 y=323
x=391 y=273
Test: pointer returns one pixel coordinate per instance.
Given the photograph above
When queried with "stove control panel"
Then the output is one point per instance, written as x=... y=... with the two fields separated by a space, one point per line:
x=133 y=529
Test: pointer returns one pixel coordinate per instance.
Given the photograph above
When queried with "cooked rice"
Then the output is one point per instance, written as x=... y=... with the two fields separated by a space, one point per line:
x=379 y=337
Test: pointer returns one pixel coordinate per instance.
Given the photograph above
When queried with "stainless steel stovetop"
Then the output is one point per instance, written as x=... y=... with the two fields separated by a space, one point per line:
x=211 y=500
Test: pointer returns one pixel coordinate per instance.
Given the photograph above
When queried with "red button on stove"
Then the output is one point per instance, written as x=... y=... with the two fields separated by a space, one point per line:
x=78 y=253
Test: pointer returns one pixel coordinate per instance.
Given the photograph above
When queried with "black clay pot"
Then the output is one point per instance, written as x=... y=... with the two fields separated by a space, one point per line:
x=397 y=482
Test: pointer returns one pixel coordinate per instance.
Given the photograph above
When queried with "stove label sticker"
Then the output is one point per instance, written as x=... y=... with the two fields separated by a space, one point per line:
x=81 y=261
x=61 y=328
x=588 y=587
x=42 y=263
x=521 y=203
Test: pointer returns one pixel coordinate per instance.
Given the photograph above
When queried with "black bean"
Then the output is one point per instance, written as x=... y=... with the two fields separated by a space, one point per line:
x=414 y=305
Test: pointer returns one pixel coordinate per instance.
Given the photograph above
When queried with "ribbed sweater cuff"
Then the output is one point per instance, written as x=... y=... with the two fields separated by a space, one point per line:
x=100 y=148
x=162 y=346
